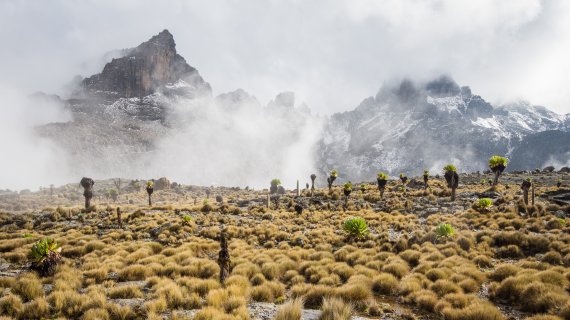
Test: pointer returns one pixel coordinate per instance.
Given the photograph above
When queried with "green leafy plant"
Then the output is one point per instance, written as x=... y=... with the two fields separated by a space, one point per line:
x=355 y=227
x=149 y=190
x=497 y=164
x=444 y=231
x=347 y=188
x=332 y=177
x=27 y=235
x=452 y=179
x=484 y=203
x=186 y=218
x=45 y=256
x=382 y=179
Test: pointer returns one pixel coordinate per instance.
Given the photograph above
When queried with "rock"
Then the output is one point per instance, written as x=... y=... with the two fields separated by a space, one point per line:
x=560 y=214
x=548 y=169
x=162 y=184
x=489 y=194
x=415 y=184
x=142 y=70
x=564 y=170
x=48 y=288
x=154 y=232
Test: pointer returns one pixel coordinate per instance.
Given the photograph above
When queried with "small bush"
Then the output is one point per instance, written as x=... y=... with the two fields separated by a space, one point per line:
x=355 y=227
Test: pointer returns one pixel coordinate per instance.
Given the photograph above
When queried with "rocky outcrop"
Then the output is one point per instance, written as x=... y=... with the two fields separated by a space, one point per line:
x=143 y=70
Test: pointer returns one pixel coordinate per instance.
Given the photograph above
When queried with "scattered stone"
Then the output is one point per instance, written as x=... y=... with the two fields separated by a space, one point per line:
x=548 y=169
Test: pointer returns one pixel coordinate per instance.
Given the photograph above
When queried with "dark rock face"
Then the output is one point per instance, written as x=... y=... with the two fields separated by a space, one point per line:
x=143 y=70
x=539 y=148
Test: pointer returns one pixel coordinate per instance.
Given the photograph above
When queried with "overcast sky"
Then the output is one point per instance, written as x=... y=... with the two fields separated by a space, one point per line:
x=331 y=53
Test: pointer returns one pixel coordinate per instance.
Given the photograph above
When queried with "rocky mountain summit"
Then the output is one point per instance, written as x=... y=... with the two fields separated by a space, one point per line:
x=153 y=65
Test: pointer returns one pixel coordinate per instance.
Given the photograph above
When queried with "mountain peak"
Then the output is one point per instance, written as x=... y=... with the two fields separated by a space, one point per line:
x=143 y=70
x=162 y=41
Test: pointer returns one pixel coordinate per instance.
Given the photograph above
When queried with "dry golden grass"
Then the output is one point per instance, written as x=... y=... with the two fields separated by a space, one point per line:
x=291 y=310
x=336 y=309
x=165 y=266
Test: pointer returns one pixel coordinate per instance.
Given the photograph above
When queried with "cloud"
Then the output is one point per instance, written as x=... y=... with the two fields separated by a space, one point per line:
x=26 y=161
x=331 y=53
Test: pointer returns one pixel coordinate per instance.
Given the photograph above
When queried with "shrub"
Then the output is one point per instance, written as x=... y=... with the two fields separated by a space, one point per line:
x=356 y=227
x=444 y=231
x=484 y=203
x=45 y=256
x=497 y=161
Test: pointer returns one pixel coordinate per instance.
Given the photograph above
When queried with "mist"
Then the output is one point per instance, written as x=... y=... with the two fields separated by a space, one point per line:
x=28 y=161
x=238 y=145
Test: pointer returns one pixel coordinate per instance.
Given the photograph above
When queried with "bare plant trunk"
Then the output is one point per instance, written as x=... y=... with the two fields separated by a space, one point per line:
x=298 y=190
x=87 y=184
x=532 y=194
x=525 y=196
x=453 y=188
x=496 y=180
x=268 y=201
x=119 y=220
x=149 y=201
x=224 y=259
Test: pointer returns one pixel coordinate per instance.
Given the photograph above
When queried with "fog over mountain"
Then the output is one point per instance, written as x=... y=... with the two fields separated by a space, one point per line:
x=248 y=92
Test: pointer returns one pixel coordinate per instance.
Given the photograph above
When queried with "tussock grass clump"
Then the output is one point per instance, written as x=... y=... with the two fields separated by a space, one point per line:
x=384 y=283
x=443 y=287
x=11 y=305
x=125 y=292
x=474 y=311
x=28 y=287
x=291 y=310
x=504 y=271
x=336 y=309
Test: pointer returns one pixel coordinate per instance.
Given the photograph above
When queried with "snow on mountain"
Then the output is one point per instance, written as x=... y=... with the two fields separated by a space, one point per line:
x=409 y=127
